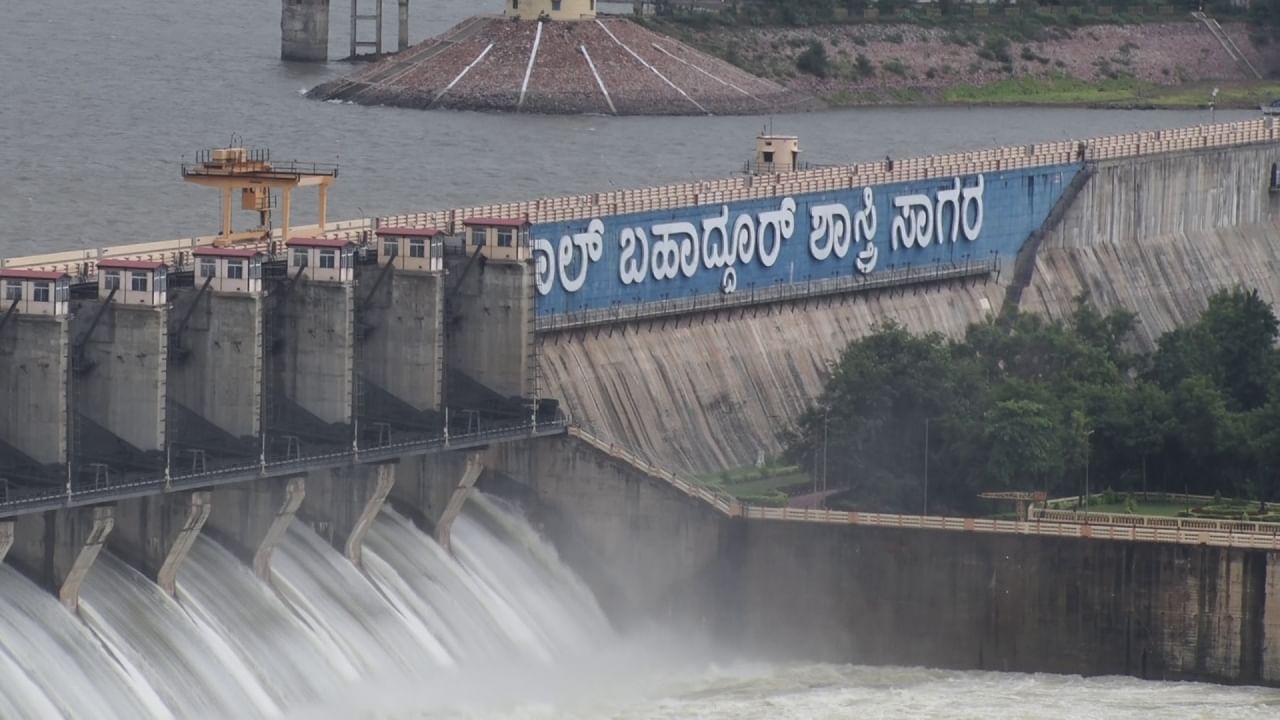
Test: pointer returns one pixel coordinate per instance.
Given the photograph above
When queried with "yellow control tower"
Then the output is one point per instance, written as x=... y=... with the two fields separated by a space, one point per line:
x=255 y=176
x=552 y=9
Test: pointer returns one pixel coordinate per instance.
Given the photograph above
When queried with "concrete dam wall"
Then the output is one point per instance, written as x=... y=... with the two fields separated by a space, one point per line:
x=1156 y=234
x=1158 y=237
x=708 y=392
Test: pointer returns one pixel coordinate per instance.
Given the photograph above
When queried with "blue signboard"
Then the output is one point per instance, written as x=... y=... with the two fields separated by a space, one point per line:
x=653 y=256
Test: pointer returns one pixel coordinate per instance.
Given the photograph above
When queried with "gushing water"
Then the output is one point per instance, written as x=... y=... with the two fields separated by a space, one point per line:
x=497 y=628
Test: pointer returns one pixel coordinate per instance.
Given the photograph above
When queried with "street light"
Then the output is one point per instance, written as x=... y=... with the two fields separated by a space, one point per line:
x=1086 y=469
x=926 y=467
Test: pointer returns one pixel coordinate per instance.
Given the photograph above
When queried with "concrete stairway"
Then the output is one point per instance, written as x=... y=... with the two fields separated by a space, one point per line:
x=1227 y=43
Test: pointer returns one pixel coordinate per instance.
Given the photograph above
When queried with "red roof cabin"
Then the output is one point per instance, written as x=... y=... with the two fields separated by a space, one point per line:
x=134 y=282
x=322 y=259
x=35 y=292
x=414 y=249
x=229 y=269
x=498 y=238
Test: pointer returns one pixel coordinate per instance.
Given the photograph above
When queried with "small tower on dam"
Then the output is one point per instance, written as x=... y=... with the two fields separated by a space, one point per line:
x=561 y=10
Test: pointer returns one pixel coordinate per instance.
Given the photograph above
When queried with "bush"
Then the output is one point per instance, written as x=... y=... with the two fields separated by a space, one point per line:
x=896 y=67
x=863 y=65
x=814 y=60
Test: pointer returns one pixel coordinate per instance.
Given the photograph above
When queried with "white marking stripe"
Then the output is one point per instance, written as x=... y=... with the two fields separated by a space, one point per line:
x=599 y=80
x=664 y=51
x=533 y=56
x=654 y=69
x=465 y=70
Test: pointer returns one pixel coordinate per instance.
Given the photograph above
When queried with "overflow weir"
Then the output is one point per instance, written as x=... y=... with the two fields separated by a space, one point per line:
x=234 y=384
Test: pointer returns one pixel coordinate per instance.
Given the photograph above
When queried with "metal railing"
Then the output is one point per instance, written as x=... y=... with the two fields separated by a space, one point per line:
x=782 y=292
x=21 y=501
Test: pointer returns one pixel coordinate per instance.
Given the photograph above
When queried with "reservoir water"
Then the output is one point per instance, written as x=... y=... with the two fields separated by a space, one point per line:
x=98 y=104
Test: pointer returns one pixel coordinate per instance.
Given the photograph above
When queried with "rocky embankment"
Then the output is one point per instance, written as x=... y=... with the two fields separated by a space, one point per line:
x=610 y=66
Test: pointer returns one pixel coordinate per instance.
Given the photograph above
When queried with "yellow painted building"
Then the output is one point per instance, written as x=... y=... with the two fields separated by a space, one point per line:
x=554 y=9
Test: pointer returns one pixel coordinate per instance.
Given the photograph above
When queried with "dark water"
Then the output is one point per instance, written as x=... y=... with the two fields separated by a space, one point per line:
x=100 y=101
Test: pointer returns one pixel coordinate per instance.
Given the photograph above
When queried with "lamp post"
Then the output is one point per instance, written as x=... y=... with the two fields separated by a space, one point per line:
x=1086 y=469
x=926 y=467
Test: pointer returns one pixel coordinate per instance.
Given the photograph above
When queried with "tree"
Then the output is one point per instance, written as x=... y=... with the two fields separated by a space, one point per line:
x=1025 y=445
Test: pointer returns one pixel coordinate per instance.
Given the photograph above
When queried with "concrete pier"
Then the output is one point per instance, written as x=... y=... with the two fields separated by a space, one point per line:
x=34 y=370
x=56 y=549
x=403 y=347
x=120 y=378
x=250 y=519
x=404 y=26
x=490 y=324
x=216 y=368
x=304 y=30
x=317 y=372
x=342 y=504
x=155 y=533
x=470 y=474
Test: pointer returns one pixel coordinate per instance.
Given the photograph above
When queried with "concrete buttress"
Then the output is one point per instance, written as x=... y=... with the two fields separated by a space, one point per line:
x=491 y=324
x=342 y=504
x=57 y=548
x=319 y=354
x=155 y=533
x=216 y=369
x=120 y=383
x=251 y=518
x=403 y=350
x=34 y=365
x=304 y=30
x=470 y=474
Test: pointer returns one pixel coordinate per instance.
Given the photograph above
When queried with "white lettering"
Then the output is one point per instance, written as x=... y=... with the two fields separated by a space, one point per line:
x=629 y=269
x=580 y=250
x=783 y=224
x=832 y=232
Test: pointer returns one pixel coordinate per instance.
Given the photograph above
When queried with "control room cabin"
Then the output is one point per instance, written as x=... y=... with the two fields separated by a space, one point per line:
x=229 y=269
x=498 y=238
x=322 y=259
x=35 y=292
x=411 y=249
x=135 y=282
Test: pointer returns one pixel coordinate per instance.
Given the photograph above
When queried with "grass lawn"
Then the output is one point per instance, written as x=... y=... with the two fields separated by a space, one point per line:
x=1122 y=92
x=768 y=485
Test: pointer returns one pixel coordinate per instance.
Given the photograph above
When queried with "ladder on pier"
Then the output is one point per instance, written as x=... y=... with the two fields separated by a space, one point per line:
x=366 y=28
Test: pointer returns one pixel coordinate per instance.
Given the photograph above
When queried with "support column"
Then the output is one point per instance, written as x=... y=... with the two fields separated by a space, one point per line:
x=470 y=474
x=343 y=505
x=155 y=533
x=404 y=26
x=57 y=548
x=250 y=519
x=304 y=30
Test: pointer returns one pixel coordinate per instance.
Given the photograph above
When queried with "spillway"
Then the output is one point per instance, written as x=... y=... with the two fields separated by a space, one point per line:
x=420 y=624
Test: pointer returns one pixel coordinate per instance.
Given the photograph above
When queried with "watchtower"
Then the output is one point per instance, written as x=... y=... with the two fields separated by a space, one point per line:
x=776 y=154
x=563 y=10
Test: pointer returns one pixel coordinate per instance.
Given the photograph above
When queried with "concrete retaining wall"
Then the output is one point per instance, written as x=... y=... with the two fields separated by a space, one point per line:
x=969 y=601
x=319 y=352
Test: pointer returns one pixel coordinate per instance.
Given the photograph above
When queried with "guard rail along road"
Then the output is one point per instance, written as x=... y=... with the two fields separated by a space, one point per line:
x=177 y=253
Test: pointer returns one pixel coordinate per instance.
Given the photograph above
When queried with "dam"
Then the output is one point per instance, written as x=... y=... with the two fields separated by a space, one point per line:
x=279 y=389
